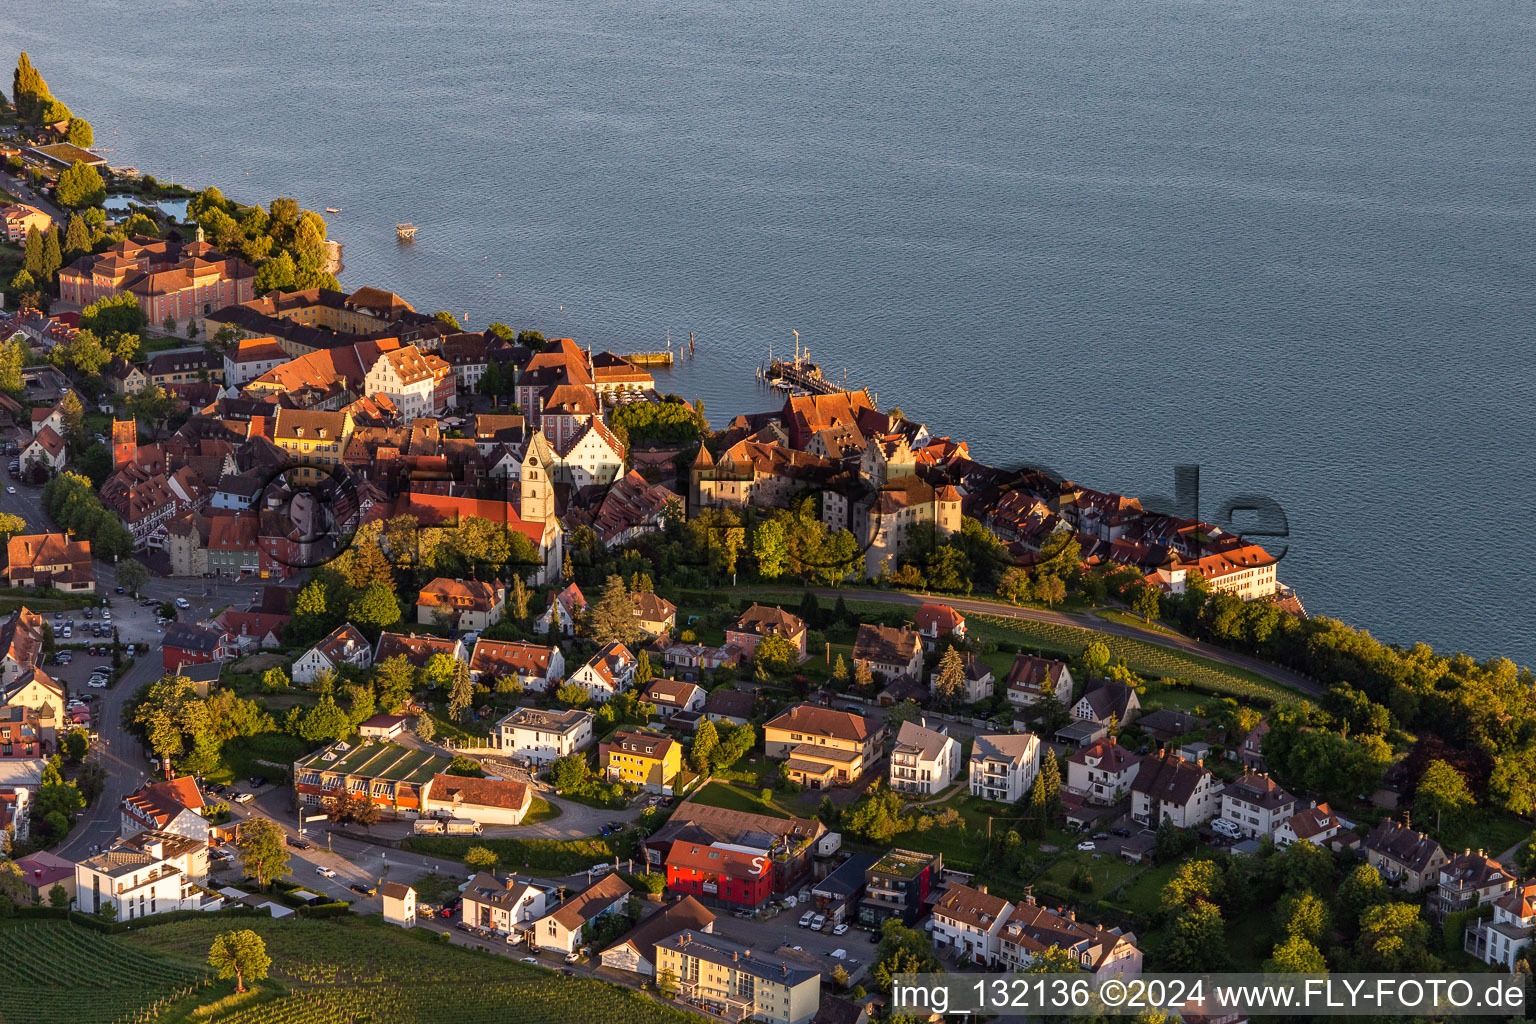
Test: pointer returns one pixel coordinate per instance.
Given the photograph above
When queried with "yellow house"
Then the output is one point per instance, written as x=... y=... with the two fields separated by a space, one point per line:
x=726 y=979
x=312 y=438
x=641 y=759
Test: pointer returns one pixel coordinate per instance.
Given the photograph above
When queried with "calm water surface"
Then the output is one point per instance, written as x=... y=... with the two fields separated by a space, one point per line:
x=1289 y=242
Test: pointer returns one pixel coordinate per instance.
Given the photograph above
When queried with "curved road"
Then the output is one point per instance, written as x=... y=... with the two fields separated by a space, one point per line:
x=1175 y=641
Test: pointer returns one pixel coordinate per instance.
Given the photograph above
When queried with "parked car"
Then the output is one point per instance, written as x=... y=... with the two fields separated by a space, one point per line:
x=99 y=684
x=118 y=590
x=841 y=929
x=300 y=843
x=818 y=922
x=1101 y=835
x=325 y=872
x=530 y=959
x=243 y=798
x=571 y=958
x=1087 y=845
x=806 y=919
x=363 y=890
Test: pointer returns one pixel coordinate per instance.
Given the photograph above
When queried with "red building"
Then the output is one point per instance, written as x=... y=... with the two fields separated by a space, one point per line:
x=168 y=278
x=710 y=872
x=194 y=645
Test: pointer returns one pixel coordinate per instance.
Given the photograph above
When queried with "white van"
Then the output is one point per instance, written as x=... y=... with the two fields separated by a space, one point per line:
x=1223 y=827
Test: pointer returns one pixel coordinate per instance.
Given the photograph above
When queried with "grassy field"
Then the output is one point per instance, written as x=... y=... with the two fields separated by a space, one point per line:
x=722 y=794
x=241 y=757
x=354 y=970
x=52 y=971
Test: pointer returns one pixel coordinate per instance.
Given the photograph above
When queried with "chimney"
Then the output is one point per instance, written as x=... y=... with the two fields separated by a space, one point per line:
x=1071 y=914
x=982 y=889
x=784 y=969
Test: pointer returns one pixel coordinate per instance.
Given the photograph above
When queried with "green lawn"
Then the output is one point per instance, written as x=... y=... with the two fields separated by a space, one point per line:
x=540 y=810
x=1127 y=619
x=241 y=757
x=721 y=794
x=540 y=856
x=1142 y=893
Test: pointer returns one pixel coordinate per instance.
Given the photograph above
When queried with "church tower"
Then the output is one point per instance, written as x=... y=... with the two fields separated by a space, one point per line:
x=125 y=443
x=701 y=471
x=536 y=499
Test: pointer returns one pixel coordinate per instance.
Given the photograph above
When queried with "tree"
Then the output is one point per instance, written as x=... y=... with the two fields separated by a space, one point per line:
x=79 y=133
x=1296 y=955
x=239 y=954
x=518 y=599
x=275 y=680
x=131 y=574
x=1050 y=589
x=76 y=744
x=394 y=678
x=706 y=743
x=1393 y=938
x=776 y=654
x=276 y=274
x=949 y=680
x=28 y=91
x=80 y=185
x=1197 y=941
x=840 y=669
x=462 y=692
x=263 y=850
x=1442 y=797
x=1360 y=890
x=666 y=983
x=53 y=257
x=375 y=608
x=480 y=858
x=863 y=678
x=77 y=238
x=448 y=318
x=58 y=896
x=1193 y=882
x=770 y=549
x=612 y=618
x=13 y=356
x=325 y=721
x=1307 y=917
x=115 y=314
x=1095 y=659
x=32 y=256
x=569 y=772
x=574 y=694
x=424 y=728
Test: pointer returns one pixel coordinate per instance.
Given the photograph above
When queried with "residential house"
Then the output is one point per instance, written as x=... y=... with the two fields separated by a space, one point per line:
x=1316 y=825
x=1257 y=805
x=836 y=897
x=42 y=870
x=888 y=653
x=178 y=366
x=935 y=621
x=1110 y=703
x=314 y=439
x=636 y=951
x=416 y=649
x=251 y=358
x=1503 y=939
x=344 y=646
x=726 y=705
x=382 y=727
x=541 y=737
x=725 y=979
x=1251 y=750
x=461 y=604
x=394 y=778
x=419 y=384
x=1033 y=679
x=1169 y=788
x=789 y=844
x=1004 y=766
x=46 y=449
x=1168 y=725
x=1404 y=857
x=142 y=875
x=169 y=279
x=643 y=759
x=565 y=929
x=590 y=457
x=37 y=690
x=978 y=680
x=899 y=885
x=925 y=760
x=670 y=696
x=1104 y=953
x=760 y=621
x=21 y=642
x=49 y=418
x=655 y=615
x=174 y=806
x=21 y=735
x=399 y=904
x=18 y=219
x=607 y=673
x=565 y=608
x=488 y=801
x=194 y=645
x=719 y=875
x=967 y=923
x=252 y=630
x=536 y=668
x=821 y=747
x=50 y=560
x=692 y=661
x=507 y=907
x=1468 y=880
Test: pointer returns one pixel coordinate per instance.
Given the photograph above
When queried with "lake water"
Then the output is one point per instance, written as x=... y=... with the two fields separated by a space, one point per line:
x=1291 y=243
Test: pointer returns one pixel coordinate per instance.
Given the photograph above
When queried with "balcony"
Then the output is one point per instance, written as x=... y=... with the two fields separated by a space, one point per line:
x=722 y=1005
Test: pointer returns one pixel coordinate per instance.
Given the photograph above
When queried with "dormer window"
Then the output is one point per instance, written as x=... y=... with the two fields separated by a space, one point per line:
x=298 y=432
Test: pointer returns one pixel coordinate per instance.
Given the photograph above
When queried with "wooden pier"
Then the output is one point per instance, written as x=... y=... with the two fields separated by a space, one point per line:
x=803 y=377
x=650 y=358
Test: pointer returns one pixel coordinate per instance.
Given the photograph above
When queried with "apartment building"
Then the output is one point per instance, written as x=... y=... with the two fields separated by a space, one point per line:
x=1004 y=766
x=925 y=760
x=727 y=980
x=541 y=737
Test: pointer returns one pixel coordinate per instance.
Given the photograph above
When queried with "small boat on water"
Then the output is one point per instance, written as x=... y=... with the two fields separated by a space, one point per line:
x=332 y=209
